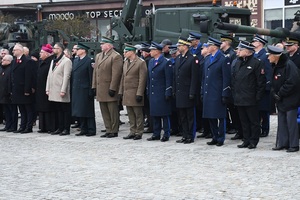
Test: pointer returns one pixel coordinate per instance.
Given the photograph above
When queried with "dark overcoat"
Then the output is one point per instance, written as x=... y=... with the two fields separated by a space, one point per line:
x=159 y=85
x=248 y=81
x=215 y=85
x=22 y=80
x=4 y=84
x=82 y=94
x=186 y=80
x=286 y=83
x=265 y=102
x=42 y=102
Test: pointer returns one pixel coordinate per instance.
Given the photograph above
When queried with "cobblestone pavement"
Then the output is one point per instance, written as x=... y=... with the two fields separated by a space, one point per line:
x=43 y=166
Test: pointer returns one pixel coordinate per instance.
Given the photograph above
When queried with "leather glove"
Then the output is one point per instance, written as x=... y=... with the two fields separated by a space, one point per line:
x=138 y=98
x=111 y=93
x=225 y=100
x=277 y=97
x=191 y=96
x=168 y=98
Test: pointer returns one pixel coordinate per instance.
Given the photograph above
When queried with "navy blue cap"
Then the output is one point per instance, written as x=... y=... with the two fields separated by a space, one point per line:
x=183 y=41
x=274 y=50
x=173 y=49
x=259 y=39
x=165 y=42
x=145 y=47
x=226 y=38
x=155 y=46
x=246 y=45
x=213 y=41
x=194 y=36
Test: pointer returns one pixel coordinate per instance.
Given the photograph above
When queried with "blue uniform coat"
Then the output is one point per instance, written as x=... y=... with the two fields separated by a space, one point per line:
x=215 y=85
x=82 y=94
x=159 y=85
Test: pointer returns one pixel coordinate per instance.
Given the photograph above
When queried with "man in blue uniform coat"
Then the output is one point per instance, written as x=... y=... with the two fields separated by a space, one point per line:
x=216 y=90
x=185 y=87
x=159 y=90
x=82 y=94
x=265 y=103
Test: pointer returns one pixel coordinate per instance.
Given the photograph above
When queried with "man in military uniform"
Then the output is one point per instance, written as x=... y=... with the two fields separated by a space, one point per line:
x=166 y=43
x=132 y=88
x=286 y=92
x=292 y=47
x=248 y=82
x=159 y=90
x=216 y=91
x=185 y=89
x=194 y=39
x=106 y=80
x=82 y=93
x=264 y=104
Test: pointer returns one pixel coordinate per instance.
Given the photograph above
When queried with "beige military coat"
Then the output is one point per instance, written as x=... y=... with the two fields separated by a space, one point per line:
x=133 y=82
x=107 y=75
x=58 y=80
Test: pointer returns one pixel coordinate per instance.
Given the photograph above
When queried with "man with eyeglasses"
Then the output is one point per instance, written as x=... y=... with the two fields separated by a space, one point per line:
x=248 y=87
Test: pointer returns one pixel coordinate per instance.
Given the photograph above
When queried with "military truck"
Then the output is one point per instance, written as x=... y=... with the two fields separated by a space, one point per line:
x=172 y=22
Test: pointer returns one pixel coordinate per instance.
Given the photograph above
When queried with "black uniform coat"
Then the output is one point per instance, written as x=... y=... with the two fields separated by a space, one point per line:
x=22 y=80
x=230 y=53
x=248 y=81
x=4 y=84
x=186 y=80
x=286 y=83
x=265 y=102
x=296 y=58
x=82 y=94
x=159 y=86
x=197 y=51
x=42 y=102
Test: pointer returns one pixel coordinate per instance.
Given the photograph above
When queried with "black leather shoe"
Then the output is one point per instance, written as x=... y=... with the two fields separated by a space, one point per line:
x=103 y=131
x=219 y=144
x=231 y=131
x=64 y=132
x=26 y=131
x=236 y=137
x=264 y=134
x=112 y=135
x=3 y=129
x=130 y=136
x=182 y=140
x=104 y=135
x=75 y=126
x=251 y=146
x=90 y=134
x=278 y=148
x=164 y=139
x=213 y=142
x=188 y=141
x=80 y=134
x=292 y=149
x=42 y=131
x=208 y=136
x=153 y=138
x=19 y=130
x=203 y=135
x=243 y=145
x=57 y=132
x=148 y=130
x=137 y=137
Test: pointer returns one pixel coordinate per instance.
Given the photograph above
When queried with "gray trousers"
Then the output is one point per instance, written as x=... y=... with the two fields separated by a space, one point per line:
x=287 y=130
x=136 y=119
x=110 y=115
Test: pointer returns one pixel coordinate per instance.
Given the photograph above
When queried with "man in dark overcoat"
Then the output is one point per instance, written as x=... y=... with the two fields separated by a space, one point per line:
x=185 y=88
x=44 y=107
x=216 y=90
x=286 y=92
x=248 y=82
x=265 y=102
x=82 y=92
x=159 y=90
x=5 y=100
x=21 y=87
x=292 y=48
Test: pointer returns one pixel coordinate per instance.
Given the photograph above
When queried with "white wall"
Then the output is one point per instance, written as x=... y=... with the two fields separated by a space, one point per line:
x=269 y=4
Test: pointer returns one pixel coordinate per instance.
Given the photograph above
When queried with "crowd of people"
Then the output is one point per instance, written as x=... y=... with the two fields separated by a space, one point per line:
x=170 y=89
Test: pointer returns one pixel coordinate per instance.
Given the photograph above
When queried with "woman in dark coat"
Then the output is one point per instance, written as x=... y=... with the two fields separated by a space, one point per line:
x=43 y=106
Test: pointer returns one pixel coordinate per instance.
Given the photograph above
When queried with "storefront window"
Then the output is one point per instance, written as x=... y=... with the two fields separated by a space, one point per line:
x=289 y=16
x=273 y=18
